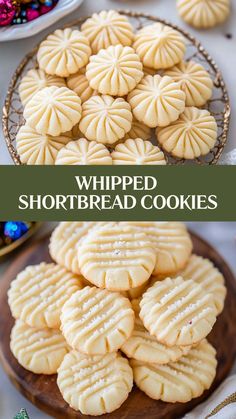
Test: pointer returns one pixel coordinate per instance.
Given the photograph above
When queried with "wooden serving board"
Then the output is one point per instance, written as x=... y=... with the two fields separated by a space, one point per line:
x=42 y=390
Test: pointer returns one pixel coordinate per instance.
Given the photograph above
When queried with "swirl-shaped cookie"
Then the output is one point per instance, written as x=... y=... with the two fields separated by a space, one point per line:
x=171 y=242
x=38 y=149
x=159 y=46
x=137 y=152
x=195 y=81
x=82 y=152
x=96 y=321
x=179 y=381
x=95 y=385
x=208 y=276
x=79 y=83
x=114 y=71
x=64 y=52
x=138 y=130
x=105 y=119
x=53 y=110
x=203 y=13
x=194 y=134
x=107 y=28
x=35 y=80
x=38 y=293
x=117 y=257
x=178 y=312
x=40 y=351
x=157 y=101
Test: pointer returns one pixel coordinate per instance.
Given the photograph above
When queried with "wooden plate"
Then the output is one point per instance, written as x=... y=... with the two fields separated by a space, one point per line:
x=42 y=390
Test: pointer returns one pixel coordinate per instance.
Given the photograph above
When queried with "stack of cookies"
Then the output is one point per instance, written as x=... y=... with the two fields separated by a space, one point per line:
x=105 y=87
x=118 y=287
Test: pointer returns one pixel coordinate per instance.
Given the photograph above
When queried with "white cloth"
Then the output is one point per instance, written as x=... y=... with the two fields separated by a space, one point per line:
x=228 y=158
x=223 y=400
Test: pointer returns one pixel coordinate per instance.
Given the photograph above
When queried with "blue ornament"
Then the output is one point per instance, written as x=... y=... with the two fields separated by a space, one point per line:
x=15 y=229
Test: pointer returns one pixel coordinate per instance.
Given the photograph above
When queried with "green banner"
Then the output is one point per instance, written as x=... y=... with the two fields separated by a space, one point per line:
x=118 y=193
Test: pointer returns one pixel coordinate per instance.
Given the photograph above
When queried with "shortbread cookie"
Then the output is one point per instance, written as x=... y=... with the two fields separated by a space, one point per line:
x=144 y=347
x=159 y=46
x=83 y=152
x=94 y=385
x=178 y=381
x=105 y=119
x=195 y=82
x=114 y=71
x=107 y=28
x=34 y=148
x=193 y=135
x=38 y=293
x=138 y=130
x=157 y=101
x=208 y=276
x=40 y=351
x=137 y=152
x=64 y=52
x=116 y=257
x=53 y=110
x=178 y=312
x=96 y=321
x=203 y=13
x=35 y=80
x=65 y=241
x=79 y=84
x=172 y=244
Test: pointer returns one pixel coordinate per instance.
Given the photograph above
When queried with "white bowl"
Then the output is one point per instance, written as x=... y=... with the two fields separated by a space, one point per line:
x=63 y=8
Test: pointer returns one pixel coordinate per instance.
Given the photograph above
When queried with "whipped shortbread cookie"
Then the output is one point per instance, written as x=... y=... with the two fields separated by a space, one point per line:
x=157 y=101
x=107 y=28
x=193 y=135
x=137 y=152
x=179 y=381
x=194 y=80
x=79 y=83
x=35 y=80
x=38 y=293
x=94 y=385
x=82 y=152
x=178 y=312
x=105 y=119
x=159 y=46
x=208 y=276
x=116 y=257
x=65 y=242
x=96 y=321
x=114 y=71
x=138 y=130
x=34 y=148
x=171 y=242
x=40 y=351
x=203 y=13
x=144 y=347
x=53 y=110
x=64 y=52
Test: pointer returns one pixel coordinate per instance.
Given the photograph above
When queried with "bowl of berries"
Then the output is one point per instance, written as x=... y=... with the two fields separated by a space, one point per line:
x=24 y=18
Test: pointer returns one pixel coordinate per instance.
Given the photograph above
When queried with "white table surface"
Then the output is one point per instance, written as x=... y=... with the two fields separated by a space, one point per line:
x=221 y=235
x=214 y=40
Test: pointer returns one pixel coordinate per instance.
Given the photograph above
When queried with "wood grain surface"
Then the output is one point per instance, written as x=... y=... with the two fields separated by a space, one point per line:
x=42 y=390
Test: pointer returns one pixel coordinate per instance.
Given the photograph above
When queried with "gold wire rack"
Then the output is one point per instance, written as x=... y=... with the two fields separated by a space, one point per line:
x=219 y=105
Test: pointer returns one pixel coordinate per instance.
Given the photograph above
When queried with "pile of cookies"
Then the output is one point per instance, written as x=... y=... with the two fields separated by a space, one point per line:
x=105 y=88
x=118 y=287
